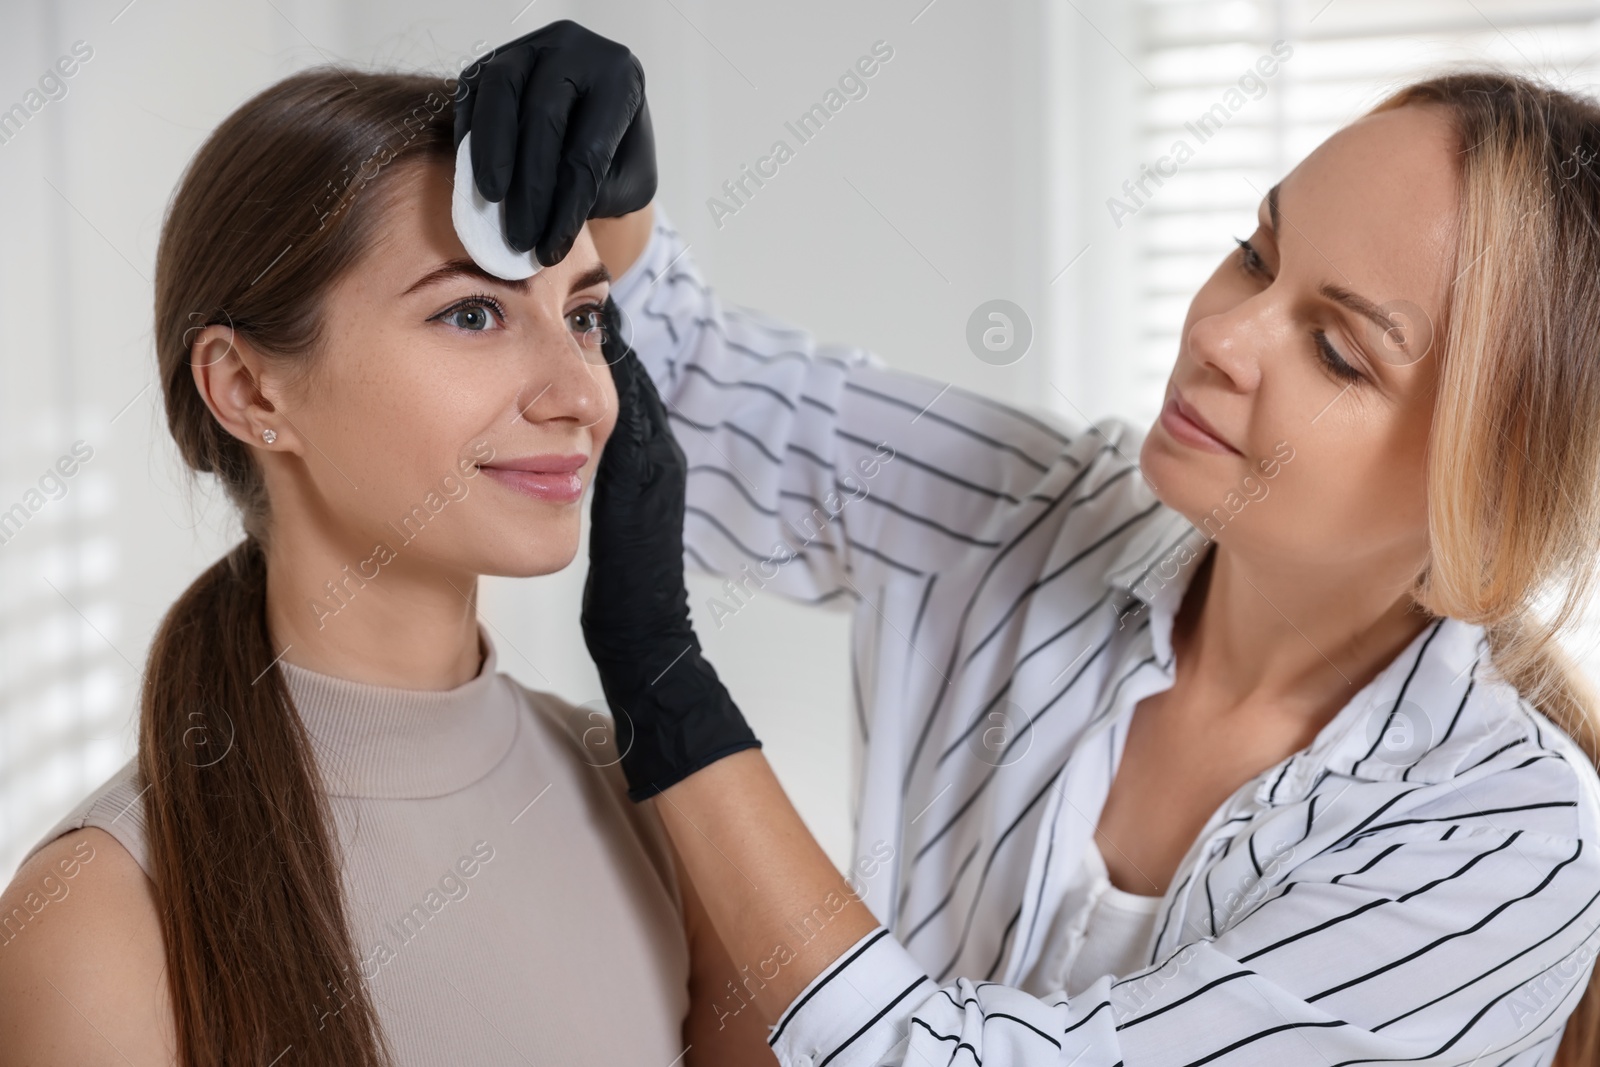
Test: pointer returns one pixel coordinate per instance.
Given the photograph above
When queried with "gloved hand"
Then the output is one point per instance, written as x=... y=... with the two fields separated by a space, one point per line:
x=673 y=714
x=560 y=132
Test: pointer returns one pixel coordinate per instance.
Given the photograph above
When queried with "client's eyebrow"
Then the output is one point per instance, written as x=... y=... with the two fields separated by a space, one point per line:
x=1336 y=293
x=467 y=268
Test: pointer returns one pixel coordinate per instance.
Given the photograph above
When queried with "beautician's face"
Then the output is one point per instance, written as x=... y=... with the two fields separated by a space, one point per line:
x=1328 y=466
x=433 y=383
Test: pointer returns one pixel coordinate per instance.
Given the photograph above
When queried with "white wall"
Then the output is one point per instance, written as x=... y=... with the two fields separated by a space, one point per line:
x=947 y=211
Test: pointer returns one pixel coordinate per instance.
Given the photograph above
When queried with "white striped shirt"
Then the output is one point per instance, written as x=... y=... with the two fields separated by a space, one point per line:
x=1418 y=884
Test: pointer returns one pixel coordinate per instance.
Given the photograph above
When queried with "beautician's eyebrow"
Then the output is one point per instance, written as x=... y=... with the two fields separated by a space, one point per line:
x=1337 y=293
x=467 y=268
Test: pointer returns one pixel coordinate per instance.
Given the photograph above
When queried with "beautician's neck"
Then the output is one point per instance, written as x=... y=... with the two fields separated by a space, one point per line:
x=1285 y=635
x=402 y=629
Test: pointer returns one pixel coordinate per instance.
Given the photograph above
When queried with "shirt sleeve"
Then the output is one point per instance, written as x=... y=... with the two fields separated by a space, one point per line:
x=1422 y=950
x=813 y=468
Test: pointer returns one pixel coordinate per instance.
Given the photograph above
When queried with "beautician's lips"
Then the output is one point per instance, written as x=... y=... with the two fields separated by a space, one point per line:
x=555 y=478
x=1185 y=423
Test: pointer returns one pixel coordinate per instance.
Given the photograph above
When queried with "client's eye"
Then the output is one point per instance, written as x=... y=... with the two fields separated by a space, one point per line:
x=589 y=323
x=1250 y=260
x=473 y=314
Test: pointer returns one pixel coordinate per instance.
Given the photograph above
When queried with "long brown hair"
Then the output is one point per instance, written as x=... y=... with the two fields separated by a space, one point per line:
x=281 y=200
x=1514 y=449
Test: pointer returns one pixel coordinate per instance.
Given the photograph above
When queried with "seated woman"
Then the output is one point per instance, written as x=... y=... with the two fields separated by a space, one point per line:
x=347 y=838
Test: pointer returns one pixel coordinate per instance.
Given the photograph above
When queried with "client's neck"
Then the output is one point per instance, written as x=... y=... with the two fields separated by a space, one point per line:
x=371 y=614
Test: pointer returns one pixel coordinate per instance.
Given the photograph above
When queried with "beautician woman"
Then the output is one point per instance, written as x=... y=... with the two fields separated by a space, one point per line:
x=1160 y=768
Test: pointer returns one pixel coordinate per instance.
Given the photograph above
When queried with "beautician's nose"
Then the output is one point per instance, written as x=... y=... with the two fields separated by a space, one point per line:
x=1234 y=342
x=563 y=381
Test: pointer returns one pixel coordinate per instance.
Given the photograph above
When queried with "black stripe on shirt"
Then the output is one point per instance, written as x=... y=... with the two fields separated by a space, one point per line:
x=1045 y=580
x=833 y=972
x=1268 y=1032
x=988 y=864
x=1503 y=963
x=1509 y=842
x=1011 y=678
x=1192 y=994
x=961 y=869
x=741 y=384
x=966 y=612
x=1430 y=946
x=933 y=416
x=868 y=1025
x=1399 y=699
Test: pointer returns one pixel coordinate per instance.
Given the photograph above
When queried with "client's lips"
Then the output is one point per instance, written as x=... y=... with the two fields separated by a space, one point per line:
x=554 y=478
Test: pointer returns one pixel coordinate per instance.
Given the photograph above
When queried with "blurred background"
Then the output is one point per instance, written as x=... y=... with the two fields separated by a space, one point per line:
x=986 y=161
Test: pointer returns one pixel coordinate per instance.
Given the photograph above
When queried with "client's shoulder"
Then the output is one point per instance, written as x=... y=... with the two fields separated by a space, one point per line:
x=585 y=732
x=584 y=739
x=82 y=958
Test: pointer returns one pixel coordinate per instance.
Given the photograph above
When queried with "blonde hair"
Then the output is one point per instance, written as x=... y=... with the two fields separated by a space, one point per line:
x=1514 y=449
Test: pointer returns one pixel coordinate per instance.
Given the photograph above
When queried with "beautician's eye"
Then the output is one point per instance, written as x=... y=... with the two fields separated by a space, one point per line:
x=1332 y=360
x=1251 y=263
x=586 y=321
x=472 y=314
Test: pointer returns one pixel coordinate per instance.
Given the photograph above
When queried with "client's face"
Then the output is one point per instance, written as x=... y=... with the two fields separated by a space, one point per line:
x=455 y=419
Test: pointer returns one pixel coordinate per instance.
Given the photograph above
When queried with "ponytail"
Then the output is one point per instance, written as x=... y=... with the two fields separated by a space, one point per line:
x=259 y=958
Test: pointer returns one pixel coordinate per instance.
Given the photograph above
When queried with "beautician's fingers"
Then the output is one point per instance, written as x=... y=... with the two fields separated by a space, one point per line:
x=631 y=180
x=636 y=515
x=642 y=457
x=593 y=155
x=622 y=463
x=560 y=133
x=487 y=102
x=639 y=402
x=575 y=143
x=542 y=126
x=626 y=446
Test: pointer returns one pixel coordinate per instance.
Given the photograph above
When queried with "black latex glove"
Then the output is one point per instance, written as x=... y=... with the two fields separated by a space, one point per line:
x=673 y=714
x=560 y=132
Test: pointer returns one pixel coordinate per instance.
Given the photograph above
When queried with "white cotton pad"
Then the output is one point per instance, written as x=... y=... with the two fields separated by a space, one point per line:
x=480 y=224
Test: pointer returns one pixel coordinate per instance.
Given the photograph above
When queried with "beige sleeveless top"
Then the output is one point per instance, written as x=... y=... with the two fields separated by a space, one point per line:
x=509 y=904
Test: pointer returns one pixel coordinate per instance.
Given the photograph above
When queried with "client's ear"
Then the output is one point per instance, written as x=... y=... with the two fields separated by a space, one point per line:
x=229 y=374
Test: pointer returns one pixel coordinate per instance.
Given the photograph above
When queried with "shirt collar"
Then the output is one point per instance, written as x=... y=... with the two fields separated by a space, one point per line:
x=1413 y=722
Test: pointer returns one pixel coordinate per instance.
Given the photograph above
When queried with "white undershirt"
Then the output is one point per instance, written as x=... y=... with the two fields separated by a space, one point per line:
x=1099 y=930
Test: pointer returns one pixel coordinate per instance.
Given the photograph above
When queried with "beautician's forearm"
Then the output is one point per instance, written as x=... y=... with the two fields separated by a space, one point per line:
x=621 y=241
x=760 y=873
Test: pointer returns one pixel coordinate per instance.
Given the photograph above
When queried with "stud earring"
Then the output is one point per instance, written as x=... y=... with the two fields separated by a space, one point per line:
x=269 y=436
